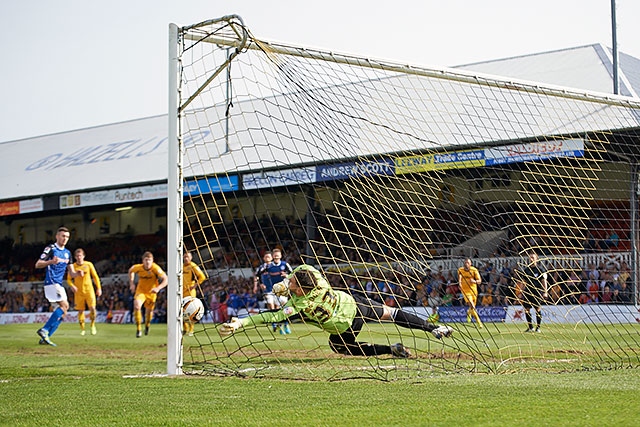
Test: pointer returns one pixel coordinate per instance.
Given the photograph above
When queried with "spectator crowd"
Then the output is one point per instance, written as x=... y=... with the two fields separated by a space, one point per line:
x=243 y=241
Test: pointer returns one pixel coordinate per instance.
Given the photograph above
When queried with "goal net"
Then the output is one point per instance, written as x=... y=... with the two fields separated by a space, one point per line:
x=386 y=178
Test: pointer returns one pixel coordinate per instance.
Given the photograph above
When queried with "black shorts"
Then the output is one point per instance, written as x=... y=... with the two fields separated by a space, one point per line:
x=531 y=298
x=366 y=310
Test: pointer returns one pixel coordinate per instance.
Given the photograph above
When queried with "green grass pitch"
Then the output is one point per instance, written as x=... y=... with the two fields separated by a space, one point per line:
x=115 y=379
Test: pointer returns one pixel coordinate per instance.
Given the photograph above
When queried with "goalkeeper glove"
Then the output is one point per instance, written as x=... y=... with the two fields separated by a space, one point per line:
x=230 y=327
x=281 y=288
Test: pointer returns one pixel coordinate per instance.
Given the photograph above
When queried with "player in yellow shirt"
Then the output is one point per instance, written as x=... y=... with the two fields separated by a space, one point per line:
x=192 y=277
x=469 y=279
x=82 y=286
x=151 y=280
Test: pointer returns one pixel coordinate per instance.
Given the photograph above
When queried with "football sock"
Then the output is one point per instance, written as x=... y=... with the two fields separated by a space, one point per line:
x=477 y=317
x=54 y=321
x=81 y=319
x=148 y=315
x=411 y=321
x=137 y=316
x=360 y=349
x=371 y=349
x=527 y=315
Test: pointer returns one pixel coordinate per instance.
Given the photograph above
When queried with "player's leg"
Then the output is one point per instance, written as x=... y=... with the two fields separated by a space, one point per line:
x=472 y=299
x=285 y=328
x=527 y=314
x=270 y=303
x=191 y=328
x=538 y=318
x=57 y=295
x=149 y=306
x=465 y=298
x=408 y=320
x=80 y=305
x=60 y=312
x=346 y=343
x=185 y=322
x=93 y=314
x=81 y=320
x=138 y=300
x=185 y=327
x=350 y=347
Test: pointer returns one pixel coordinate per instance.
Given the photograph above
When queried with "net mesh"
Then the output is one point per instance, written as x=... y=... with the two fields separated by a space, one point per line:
x=387 y=177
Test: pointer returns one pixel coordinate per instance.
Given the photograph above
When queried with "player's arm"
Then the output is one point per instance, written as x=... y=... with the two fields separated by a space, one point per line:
x=257 y=319
x=70 y=282
x=478 y=279
x=72 y=271
x=47 y=258
x=96 y=279
x=132 y=277
x=543 y=282
x=200 y=276
x=255 y=280
x=258 y=284
x=164 y=281
x=43 y=263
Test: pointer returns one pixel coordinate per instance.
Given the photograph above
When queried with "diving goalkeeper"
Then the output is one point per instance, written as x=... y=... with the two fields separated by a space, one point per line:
x=336 y=312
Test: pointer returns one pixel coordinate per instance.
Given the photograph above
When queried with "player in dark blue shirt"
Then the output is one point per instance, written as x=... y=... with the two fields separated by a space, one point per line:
x=275 y=272
x=56 y=259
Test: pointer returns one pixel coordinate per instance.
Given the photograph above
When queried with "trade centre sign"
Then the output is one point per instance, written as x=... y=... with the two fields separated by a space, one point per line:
x=464 y=159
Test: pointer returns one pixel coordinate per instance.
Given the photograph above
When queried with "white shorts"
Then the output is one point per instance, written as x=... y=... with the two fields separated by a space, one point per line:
x=55 y=293
x=272 y=299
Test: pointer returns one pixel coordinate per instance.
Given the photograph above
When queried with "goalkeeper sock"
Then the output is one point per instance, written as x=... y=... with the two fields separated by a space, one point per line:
x=359 y=349
x=370 y=349
x=411 y=321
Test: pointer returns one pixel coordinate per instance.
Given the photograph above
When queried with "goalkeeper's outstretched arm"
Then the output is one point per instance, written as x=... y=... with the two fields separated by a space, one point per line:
x=271 y=316
x=230 y=327
x=275 y=316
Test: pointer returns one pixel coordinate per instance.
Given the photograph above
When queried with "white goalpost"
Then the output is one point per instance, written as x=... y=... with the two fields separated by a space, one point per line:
x=386 y=177
x=174 y=215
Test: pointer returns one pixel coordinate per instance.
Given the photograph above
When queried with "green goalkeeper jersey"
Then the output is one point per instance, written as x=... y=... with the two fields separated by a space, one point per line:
x=331 y=310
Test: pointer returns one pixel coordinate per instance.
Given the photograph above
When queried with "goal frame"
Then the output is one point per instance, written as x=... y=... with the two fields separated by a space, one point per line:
x=176 y=148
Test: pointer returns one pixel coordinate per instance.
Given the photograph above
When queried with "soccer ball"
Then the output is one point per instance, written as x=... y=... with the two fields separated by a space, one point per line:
x=192 y=309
